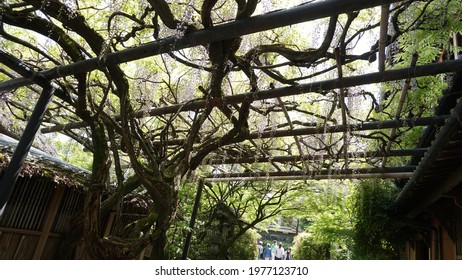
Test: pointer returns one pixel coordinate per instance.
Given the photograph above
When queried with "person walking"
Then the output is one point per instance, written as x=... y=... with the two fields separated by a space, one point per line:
x=260 y=250
x=279 y=252
x=267 y=252
x=288 y=255
x=273 y=248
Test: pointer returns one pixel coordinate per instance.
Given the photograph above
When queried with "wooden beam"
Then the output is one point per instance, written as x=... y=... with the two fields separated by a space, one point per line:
x=376 y=170
x=295 y=158
x=49 y=220
x=401 y=175
x=25 y=232
x=435 y=120
x=385 y=13
x=10 y=176
x=425 y=121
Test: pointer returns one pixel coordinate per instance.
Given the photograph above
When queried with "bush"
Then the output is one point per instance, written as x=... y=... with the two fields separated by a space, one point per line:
x=307 y=248
x=379 y=233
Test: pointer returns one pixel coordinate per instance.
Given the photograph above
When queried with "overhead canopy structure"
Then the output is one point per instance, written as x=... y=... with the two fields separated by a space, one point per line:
x=234 y=29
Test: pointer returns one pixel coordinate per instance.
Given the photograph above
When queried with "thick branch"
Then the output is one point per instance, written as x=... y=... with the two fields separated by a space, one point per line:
x=163 y=11
x=298 y=57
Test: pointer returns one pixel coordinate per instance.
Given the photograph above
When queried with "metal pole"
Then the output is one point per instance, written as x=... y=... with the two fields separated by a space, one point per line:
x=11 y=174
x=192 y=222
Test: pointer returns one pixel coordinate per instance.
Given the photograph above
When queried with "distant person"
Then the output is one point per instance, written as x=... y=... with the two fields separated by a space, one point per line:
x=273 y=248
x=288 y=255
x=260 y=250
x=279 y=252
x=267 y=252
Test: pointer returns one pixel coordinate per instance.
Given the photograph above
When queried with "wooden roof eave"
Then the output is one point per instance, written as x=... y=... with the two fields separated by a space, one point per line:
x=410 y=204
x=43 y=164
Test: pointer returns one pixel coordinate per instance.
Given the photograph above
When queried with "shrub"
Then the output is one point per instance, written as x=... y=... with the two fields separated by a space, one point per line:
x=379 y=233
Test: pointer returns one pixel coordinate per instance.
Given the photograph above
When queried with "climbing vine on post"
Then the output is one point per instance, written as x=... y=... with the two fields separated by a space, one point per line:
x=379 y=232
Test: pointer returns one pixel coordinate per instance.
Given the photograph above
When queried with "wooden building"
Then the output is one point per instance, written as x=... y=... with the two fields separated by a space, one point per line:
x=48 y=193
x=432 y=198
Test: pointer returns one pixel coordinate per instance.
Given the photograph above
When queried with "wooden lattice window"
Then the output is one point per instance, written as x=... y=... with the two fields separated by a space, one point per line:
x=72 y=202
x=27 y=204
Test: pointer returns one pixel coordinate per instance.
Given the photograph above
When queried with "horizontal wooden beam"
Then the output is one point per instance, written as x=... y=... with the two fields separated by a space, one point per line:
x=27 y=232
x=375 y=170
x=296 y=158
x=401 y=175
x=435 y=120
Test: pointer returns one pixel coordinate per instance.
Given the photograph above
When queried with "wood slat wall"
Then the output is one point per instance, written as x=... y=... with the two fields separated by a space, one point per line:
x=73 y=201
x=28 y=203
x=15 y=246
x=25 y=230
x=22 y=223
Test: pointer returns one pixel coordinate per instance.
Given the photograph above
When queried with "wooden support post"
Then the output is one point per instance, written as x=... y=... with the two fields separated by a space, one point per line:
x=8 y=180
x=402 y=98
x=48 y=222
x=383 y=35
x=342 y=106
